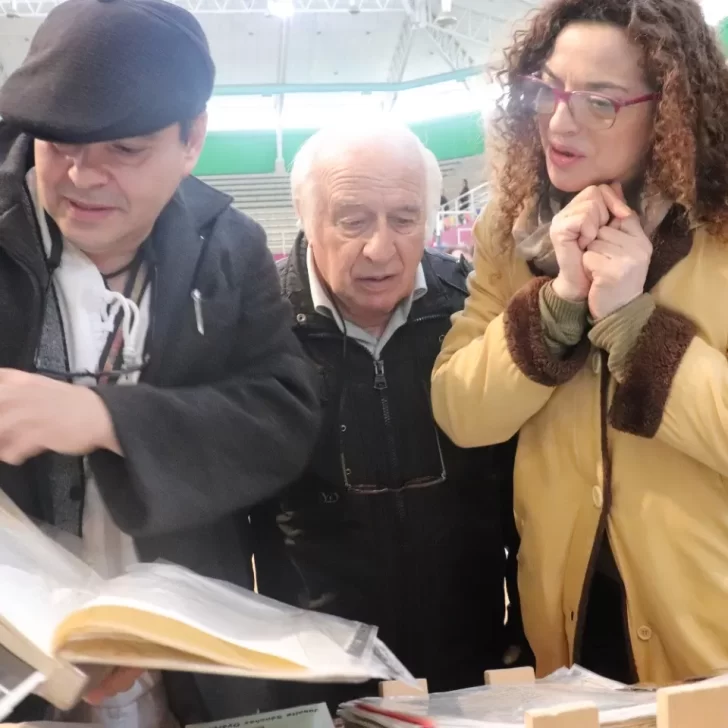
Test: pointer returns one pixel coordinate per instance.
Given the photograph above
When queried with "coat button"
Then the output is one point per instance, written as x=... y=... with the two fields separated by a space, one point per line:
x=644 y=633
x=596 y=362
x=301 y=318
x=597 y=496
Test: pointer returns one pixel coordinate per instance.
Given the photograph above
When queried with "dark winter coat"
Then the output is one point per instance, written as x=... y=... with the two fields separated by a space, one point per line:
x=218 y=421
x=425 y=562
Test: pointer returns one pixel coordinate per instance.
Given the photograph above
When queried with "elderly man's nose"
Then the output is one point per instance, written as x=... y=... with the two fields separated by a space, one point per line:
x=380 y=245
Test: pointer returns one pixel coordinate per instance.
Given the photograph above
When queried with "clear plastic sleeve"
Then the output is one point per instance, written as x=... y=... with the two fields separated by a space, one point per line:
x=504 y=706
x=45 y=584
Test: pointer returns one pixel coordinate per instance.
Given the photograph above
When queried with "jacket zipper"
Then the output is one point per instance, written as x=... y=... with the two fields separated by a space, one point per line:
x=430 y=317
x=34 y=337
x=380 y=384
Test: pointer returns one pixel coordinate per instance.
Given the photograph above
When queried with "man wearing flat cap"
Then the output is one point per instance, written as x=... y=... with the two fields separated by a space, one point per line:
x=151 y=389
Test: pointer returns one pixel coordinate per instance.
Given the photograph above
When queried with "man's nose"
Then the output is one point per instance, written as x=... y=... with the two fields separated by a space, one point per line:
x=380 y=246
x=86 y=170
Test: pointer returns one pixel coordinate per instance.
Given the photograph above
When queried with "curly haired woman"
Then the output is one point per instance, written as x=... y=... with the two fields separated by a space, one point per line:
x=597 y=326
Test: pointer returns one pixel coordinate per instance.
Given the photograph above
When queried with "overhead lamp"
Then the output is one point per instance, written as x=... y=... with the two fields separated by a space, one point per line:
x=445 y=18
x=713 y=11
x=281 y=8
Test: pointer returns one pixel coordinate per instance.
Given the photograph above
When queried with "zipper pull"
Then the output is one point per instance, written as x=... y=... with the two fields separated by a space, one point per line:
x=197 y=303
x=380 y=381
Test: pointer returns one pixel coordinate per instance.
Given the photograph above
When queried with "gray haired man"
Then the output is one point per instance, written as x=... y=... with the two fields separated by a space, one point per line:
x=390 y=523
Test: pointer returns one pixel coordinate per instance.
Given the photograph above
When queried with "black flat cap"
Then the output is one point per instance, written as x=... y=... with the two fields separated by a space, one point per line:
x=99 y=70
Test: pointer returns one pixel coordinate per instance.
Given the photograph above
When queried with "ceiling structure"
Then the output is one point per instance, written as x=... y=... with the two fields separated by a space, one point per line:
x=329 y=54
x=324 y=41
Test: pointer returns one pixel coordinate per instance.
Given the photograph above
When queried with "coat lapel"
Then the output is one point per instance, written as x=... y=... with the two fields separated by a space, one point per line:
x=175 y=254
x=671 y=242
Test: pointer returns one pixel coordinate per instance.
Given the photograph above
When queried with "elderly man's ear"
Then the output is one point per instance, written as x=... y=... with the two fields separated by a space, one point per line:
x=299 y=212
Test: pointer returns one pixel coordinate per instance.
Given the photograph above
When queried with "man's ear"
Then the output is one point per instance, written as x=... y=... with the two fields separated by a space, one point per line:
x=298 y=207
x=195 y=142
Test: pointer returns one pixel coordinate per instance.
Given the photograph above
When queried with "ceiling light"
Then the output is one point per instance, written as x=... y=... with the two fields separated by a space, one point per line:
x=445 y=18
x=713 y=10
x=281 y=8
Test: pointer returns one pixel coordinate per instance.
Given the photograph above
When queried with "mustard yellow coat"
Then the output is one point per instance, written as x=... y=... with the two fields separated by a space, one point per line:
x=662 y=430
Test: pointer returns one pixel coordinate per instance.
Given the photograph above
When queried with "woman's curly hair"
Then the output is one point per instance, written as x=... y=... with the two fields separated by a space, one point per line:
x=682 y=60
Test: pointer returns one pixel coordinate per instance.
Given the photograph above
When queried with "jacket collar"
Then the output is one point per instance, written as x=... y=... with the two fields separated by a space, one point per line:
x=671 y=242
x=296 y=286
x=179 y=241
x=17 y=220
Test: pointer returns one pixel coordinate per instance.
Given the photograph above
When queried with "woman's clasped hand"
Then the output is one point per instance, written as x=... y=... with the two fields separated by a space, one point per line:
x=602 y=250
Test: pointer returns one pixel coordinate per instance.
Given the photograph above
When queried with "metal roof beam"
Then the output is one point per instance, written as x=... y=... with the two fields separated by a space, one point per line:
x=400 y=58
x=360 y=88
x=470 y=26
x=40 y=8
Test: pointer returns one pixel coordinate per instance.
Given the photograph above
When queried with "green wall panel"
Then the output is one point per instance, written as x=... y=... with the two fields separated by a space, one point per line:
x=453 y=138
x=254 y=152
x=293 y=140
x=250 y=152
x=723 y=34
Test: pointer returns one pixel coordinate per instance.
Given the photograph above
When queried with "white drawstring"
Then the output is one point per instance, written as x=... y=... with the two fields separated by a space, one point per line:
x=130 y=325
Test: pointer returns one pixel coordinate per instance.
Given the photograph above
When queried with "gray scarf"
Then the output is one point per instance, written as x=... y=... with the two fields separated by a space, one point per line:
x=64 y=474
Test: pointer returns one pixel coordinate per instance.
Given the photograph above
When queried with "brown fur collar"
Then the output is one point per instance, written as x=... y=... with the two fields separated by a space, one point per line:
x=672 y=241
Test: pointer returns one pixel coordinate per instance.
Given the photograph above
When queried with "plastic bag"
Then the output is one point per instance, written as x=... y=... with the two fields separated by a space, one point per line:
x=504 y=706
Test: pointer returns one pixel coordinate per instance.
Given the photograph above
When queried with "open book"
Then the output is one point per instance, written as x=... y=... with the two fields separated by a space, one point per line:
x=56 y=613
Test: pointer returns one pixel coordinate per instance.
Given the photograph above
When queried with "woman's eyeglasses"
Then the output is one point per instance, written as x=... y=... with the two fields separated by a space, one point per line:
x=590 y=110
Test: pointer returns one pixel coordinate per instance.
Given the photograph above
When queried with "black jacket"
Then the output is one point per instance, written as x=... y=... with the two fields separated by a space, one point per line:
x=217 y=423
x=426 y=564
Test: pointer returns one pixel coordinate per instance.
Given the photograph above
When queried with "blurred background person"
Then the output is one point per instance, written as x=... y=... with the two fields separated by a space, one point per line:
x=464 y=200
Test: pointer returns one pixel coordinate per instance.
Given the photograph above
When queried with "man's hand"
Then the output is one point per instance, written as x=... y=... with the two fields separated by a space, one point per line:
x=618 y=259
x=118 y=681
x=39 y=414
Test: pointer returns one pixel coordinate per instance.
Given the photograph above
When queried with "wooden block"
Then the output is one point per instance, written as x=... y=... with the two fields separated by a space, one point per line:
x=577 y=715
x=397 y=689
x=511 y=676
x=698 y=705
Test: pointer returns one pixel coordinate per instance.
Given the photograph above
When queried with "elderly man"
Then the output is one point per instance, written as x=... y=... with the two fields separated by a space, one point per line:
x=117 y=269
x=390 y=524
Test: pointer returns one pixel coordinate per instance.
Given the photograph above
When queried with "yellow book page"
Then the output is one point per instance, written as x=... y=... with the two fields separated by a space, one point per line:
x=107 y=634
